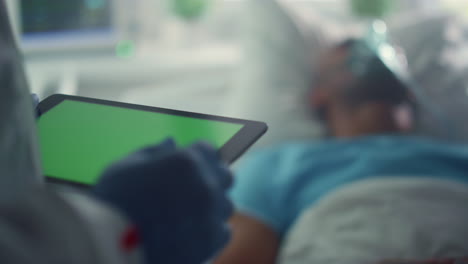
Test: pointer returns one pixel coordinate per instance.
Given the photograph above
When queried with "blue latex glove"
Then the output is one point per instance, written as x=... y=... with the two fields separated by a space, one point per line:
x=175 y=197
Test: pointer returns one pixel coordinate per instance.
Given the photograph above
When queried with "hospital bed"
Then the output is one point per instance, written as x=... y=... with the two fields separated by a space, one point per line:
x=376 y=220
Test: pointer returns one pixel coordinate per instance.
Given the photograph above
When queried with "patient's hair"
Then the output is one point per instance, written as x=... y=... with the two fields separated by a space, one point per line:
x=376 y=84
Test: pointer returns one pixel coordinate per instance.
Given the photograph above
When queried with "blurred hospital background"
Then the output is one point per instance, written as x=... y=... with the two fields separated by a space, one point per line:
x=191 y=54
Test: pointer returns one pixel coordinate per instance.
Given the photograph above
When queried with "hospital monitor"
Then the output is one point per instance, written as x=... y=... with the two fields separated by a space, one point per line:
x=54 y=25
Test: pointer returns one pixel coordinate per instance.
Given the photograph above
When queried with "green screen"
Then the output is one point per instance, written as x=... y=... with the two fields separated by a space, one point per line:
x=79 y=140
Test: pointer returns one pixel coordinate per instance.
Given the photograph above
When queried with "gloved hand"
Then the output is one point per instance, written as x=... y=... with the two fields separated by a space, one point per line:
x=175 y=197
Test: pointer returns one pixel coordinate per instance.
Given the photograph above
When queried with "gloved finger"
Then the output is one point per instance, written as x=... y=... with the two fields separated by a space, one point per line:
x=223 y=175
x=223 y=237
x=226 y=208
x=167 y=145
x=147 y=155
x=207 y=150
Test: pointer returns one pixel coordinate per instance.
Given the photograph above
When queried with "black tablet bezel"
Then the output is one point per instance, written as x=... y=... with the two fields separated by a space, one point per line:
x=229 y=152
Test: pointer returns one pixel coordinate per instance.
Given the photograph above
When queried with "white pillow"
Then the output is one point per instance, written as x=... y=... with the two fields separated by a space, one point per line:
x=426 y=41
x=422 y=36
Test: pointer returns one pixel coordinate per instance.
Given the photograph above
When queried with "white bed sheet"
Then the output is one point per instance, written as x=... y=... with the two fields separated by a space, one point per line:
x=375 y=220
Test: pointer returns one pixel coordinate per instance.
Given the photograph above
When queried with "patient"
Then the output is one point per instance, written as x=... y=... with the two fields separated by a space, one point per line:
x=369 y=139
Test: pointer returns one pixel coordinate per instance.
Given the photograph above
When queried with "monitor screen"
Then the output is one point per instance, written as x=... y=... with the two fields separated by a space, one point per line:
x=79 y=139
x=45 y=17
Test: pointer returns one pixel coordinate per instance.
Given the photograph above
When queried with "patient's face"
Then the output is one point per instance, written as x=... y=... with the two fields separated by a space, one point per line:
x=331 y=76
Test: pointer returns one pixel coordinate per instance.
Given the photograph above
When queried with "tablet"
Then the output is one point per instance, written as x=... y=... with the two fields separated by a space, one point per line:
x=79 y=137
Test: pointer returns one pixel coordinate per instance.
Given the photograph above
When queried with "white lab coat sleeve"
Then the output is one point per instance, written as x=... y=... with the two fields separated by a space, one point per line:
x=46 y=227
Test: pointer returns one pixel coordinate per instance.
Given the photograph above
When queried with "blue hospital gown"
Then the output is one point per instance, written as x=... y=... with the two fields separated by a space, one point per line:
x=275 y=185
